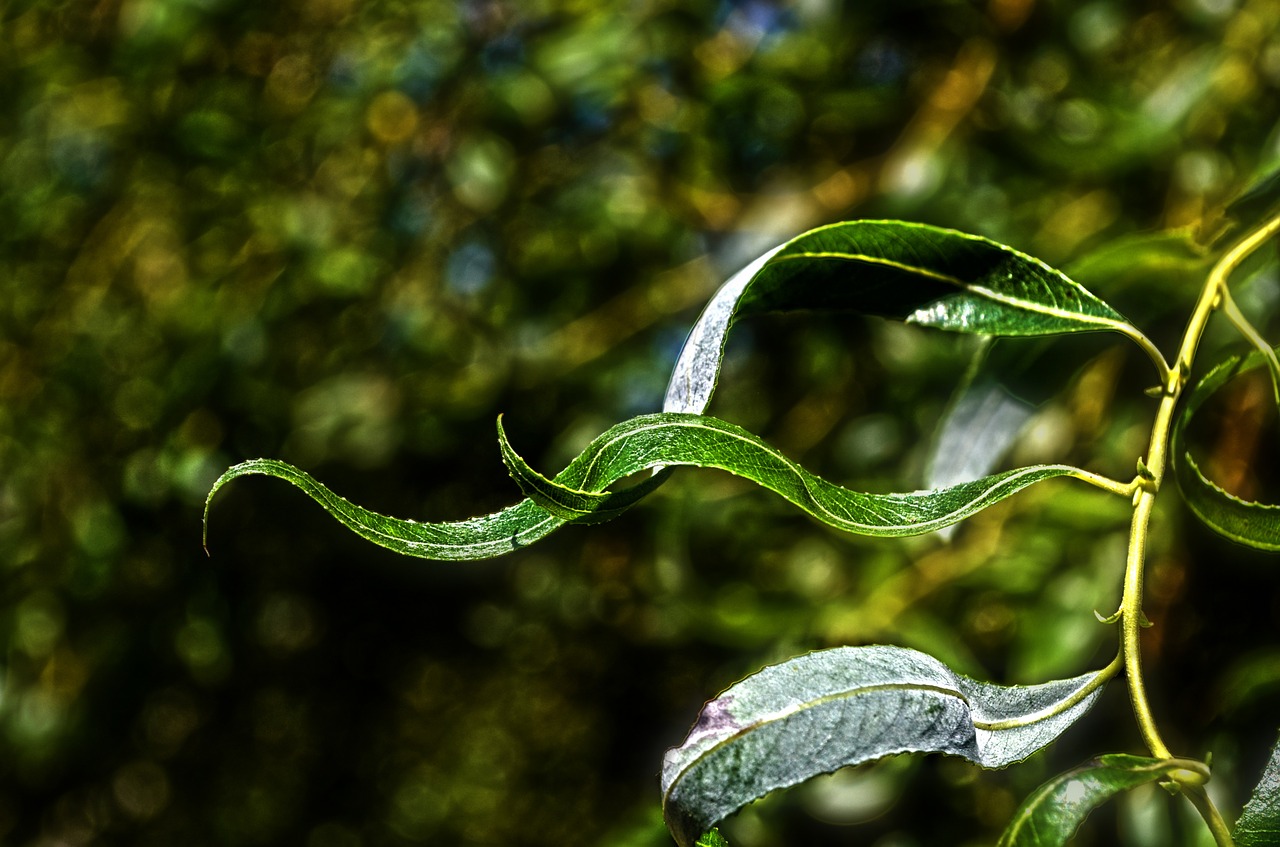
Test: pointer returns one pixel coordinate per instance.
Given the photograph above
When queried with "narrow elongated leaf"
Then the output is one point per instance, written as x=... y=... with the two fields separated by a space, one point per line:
x=911 y=272
x=1052 y=814
x=817 y=713
x=1247 y=522
x=1259 y=823
x=668 y=439
x=476 y=538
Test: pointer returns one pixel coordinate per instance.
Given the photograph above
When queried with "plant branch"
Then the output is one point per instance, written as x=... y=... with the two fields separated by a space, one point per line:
x=1204 y=805
x=1147 y=484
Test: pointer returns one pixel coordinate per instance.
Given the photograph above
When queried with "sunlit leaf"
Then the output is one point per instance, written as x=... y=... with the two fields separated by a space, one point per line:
x=906 y=271
x=666 y=439
x=817 y=713
x=1247 y=522
x=1259 y=823
x=712 y=838
x=1051 y=815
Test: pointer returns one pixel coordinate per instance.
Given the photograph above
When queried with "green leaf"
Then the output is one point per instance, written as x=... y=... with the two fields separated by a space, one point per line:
x=1144 y=261
x=1244 y=521
x=1259 y=199
x=819 y=712
x=905 y=271
x=1259 y=823
x=670 y=439
x=1051 y=815
x=712 y=838
x=476 y=538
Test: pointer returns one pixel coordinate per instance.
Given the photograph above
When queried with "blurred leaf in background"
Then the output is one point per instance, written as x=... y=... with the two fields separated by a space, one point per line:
x=349 y=234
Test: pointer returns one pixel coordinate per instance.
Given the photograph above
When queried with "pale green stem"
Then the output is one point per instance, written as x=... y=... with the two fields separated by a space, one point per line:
x=1204 y=805
x=1106 y=483
x=1104 y=676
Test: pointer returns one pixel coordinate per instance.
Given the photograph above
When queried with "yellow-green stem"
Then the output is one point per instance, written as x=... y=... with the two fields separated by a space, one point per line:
x=1150 y=475
x=1200 y=799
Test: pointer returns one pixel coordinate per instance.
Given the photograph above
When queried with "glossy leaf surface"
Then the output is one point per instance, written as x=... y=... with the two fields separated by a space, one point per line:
x=476 y=538
x=905 y=271
x=822 y=711
x=1052 y=814
x=1259 y=823
x=700 y=440
x=1247 y=522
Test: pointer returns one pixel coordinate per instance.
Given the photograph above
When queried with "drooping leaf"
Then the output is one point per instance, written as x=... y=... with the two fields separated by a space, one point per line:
x=1247 y=522
x=822 y=711
x=1051 y=815
x=476 y=538
x=1259 y=823
x=667 y=439
x=905 y=271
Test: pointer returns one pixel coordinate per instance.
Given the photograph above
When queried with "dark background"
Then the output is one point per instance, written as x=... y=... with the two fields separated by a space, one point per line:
x=348 y=235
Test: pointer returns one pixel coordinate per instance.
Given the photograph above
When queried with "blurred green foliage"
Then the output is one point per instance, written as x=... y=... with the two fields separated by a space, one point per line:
x=348 y=234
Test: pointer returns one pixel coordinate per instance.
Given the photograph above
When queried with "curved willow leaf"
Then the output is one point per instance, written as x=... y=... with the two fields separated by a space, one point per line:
x=1249 y=523
x=476 y=538
x=1051 y=815
x=817 y=713
x=1259 y=823
x=669 y=439
x=911 y=272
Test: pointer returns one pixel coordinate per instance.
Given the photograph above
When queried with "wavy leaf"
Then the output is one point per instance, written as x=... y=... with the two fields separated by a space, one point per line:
x=820 y=712
x=476 y=538
x=669 y=439
x=1259 y=823
x=1244 y=521
x=1052 y=814
x=911 y=272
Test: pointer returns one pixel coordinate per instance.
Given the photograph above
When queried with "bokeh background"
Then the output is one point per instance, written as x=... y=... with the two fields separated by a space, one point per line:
x=349 y=234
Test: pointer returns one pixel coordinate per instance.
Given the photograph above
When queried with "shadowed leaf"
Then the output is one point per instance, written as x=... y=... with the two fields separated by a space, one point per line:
x=1052 y=814
x=1259 y=823
x=1244 y=521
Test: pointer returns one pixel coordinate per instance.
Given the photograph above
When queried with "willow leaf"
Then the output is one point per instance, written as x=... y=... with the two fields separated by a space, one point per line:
x=1244 y=521
x=1052 y=814
x=670 y=439
x=1259 y=823
x=819 y=712
x=905 y=271
x=475 y=538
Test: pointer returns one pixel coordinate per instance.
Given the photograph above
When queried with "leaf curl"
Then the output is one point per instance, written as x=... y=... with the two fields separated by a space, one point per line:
x=905 y=271
x=825 y=710
x=475 y=538
x=673 y=439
